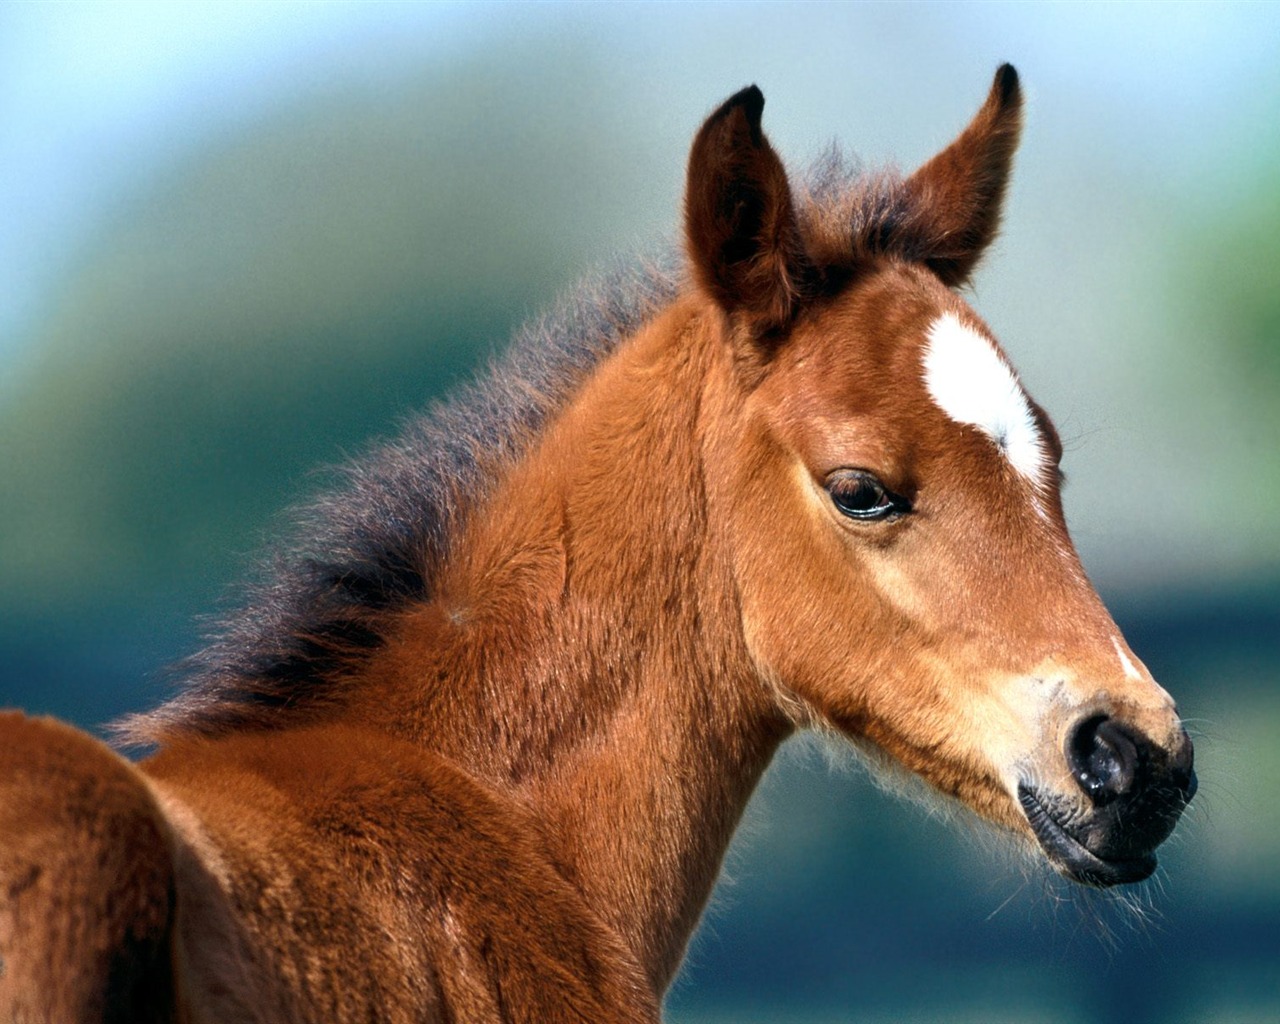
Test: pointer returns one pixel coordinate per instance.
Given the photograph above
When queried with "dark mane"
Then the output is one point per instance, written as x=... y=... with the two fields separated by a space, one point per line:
x=373 y=545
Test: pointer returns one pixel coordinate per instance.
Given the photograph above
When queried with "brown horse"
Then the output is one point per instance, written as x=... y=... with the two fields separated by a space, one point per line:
x=475 y=749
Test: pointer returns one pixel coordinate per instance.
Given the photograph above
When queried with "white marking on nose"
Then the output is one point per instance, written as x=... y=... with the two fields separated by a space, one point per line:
x=1126 y=663
x=971 y=383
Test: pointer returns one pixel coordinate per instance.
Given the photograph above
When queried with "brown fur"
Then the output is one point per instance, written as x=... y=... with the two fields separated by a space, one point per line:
x=488 y=772
x=86 y=871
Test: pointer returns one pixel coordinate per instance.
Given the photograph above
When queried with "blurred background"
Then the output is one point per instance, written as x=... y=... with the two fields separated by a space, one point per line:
x=239 y=241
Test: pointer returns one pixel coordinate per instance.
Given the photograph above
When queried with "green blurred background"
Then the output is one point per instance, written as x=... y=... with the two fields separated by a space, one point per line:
x=237 y=242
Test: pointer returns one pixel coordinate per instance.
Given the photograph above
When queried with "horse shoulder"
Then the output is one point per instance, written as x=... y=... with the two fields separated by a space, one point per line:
x=333 y=872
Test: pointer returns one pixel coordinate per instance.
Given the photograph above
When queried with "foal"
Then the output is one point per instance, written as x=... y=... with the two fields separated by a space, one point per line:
x=475 y=751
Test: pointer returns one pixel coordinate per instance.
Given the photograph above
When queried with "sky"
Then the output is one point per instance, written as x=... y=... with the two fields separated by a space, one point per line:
x=96 y=97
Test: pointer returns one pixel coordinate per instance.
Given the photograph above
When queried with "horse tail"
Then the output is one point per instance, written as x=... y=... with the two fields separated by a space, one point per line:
x=86 y=882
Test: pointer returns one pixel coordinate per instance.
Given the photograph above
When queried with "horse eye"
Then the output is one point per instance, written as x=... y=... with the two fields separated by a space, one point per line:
x=859 y=495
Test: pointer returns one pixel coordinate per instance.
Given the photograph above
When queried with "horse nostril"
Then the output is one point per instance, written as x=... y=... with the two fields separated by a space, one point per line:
x=1104 y=758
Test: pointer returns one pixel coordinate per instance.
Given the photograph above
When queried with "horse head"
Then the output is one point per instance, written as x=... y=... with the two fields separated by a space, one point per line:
x=900 y=552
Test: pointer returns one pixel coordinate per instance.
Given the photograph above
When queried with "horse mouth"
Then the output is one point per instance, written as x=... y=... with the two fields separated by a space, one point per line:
x=1070 y=856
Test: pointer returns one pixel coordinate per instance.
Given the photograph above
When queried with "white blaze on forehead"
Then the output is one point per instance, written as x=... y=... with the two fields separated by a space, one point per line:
x=972 y=383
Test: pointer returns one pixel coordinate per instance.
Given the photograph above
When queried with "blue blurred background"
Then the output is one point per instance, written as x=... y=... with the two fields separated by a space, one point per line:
x=237 y=241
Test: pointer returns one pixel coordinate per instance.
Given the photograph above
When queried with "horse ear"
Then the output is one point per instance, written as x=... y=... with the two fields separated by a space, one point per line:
x=740 y=225
x=958 y=194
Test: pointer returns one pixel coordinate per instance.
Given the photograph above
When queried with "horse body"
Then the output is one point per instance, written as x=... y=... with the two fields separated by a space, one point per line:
x=387 y=883
x=770 y=506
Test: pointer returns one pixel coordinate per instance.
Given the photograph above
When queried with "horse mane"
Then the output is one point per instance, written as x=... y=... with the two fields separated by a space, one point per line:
x=372 y=547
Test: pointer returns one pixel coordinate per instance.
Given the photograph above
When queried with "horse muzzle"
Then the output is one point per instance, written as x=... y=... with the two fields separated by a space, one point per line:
x=1130 y=795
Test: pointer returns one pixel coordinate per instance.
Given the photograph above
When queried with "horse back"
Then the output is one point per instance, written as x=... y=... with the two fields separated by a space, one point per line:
x=86 y=881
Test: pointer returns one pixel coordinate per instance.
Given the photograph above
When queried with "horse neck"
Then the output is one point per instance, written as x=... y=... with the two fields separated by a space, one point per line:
x=585 y=650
